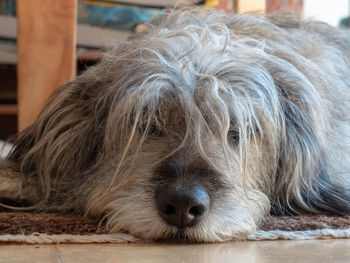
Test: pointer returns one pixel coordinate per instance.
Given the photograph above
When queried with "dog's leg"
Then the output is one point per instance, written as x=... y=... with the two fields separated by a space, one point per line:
x=15 y=187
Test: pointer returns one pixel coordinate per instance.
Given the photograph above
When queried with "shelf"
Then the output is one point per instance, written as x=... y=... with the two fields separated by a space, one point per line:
x=8 y=109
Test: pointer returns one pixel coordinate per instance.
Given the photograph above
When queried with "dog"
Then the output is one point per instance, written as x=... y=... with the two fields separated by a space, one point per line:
x=195 y=130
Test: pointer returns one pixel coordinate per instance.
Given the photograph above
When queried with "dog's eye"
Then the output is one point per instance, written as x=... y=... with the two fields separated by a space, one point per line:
x=151 y=130
x=233 y=136
x=154 y=130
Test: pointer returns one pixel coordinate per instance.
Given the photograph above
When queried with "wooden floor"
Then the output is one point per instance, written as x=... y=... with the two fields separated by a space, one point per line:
x=245 y=252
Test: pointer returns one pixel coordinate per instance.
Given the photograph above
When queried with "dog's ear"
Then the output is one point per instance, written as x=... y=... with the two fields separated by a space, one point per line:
x=303 y=182
x=65 y=139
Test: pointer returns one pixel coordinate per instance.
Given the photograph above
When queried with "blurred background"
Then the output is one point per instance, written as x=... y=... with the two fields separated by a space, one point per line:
x=95 y=25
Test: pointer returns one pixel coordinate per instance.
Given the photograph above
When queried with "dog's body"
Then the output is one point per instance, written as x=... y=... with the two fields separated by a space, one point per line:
x=195 y=129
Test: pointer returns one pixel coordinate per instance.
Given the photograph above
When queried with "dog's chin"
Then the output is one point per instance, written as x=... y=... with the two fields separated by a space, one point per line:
x=203 y=233
x=183 y=236
x=177 y=238
x=180 y=237
x=197 y=234
x=206 y=232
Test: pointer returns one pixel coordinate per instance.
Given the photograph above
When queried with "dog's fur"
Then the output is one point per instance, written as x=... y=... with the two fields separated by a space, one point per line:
x=256 y=109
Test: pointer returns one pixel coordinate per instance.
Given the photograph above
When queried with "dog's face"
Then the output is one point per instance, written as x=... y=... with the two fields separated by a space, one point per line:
x=184 y=196
x=189 y=142
x=173 y=190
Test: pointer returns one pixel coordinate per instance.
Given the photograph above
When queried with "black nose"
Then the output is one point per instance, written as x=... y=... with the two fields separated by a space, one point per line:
x=182 y=207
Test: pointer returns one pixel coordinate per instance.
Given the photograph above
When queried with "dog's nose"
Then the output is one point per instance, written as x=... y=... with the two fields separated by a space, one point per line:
x=182 y=207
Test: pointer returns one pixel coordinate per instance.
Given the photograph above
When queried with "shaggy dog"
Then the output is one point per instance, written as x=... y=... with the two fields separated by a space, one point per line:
x=195 y=130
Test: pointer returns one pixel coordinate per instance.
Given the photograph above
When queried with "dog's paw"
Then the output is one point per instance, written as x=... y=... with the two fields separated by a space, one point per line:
x=14 y=188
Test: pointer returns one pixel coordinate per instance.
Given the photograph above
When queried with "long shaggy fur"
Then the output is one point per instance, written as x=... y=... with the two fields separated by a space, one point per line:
x=255 y=108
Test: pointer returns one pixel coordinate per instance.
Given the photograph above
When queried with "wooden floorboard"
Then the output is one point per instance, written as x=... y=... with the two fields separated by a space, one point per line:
x=238 y=252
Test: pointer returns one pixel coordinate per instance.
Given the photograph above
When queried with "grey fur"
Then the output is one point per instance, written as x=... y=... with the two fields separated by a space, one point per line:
x=259 y=104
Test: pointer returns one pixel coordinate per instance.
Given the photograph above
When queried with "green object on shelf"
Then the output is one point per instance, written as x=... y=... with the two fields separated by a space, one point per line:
x=345 y=22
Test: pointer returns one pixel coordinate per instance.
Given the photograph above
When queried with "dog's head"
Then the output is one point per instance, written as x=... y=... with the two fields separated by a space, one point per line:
x=177 y=132
x=190 y=137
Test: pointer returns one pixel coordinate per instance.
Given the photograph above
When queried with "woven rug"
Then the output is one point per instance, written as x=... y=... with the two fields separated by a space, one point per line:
x=47 y=228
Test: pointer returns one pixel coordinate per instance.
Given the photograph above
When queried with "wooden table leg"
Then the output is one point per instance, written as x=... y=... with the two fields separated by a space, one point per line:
x=46 y=52
x=244 y=6
x=269 y=6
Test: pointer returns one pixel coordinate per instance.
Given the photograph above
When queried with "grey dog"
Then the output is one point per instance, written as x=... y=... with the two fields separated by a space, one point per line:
x=195 y=129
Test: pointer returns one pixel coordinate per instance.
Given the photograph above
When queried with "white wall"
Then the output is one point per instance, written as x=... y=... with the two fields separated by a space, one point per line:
x=330 y=11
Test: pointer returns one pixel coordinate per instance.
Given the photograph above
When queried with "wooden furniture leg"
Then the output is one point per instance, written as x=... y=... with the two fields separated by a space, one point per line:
x=46 y=52
x=269 y=6
x=244 y=6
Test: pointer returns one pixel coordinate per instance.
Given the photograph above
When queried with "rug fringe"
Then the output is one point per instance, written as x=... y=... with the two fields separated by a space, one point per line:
x=37 y=238
x=301 y=235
